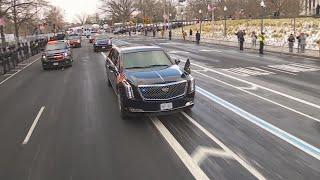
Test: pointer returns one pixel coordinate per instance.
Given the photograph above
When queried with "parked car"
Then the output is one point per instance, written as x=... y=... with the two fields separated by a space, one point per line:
x=146 y=80
x=56 y=54
x=102 y=42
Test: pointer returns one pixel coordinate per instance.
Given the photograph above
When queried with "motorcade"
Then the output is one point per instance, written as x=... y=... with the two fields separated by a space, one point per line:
x=146 y=80
x=102 y=42
x=92 y=36
x=56 y=54
x=74 y=40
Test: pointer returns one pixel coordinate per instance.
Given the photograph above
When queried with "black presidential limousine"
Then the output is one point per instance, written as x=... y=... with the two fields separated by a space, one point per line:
x=146 y=80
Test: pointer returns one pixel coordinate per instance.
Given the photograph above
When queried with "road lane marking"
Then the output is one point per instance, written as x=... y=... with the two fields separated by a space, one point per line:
x=274 y=69
x=26 y=139
x=19 y=71
x=260 y=86
x=201 y=153
x=209 y=50
x=246 y=165
x=258 y=96
x=104 y=55
x=300 y=144
x=194 y=169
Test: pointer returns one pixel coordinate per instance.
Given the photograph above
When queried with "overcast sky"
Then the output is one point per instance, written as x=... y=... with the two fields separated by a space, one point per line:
x=73 y=7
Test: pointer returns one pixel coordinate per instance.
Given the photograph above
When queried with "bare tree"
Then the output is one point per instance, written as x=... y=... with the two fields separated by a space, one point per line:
x=24 y=10
x=4 y=8
x=54 y=19
x=119 y=9
x=82 y=18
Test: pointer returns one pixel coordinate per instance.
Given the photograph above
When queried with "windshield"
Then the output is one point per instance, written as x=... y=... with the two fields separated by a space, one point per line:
x=101 y=37
x=73 y=37
x=56 y=46
x=146 y=59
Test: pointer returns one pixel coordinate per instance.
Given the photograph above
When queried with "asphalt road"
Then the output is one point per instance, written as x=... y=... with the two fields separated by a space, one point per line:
x=256 y=117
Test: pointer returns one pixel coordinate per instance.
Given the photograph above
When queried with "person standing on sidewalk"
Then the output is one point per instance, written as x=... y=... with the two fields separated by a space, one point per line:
x=253 y=39
x=318 y=43
x=261 y=39
x=184 y=35
x=303 y=40
x=162 y=32
x=198 y=37
x=240 y=34
x=291 y=41
x=190 y=34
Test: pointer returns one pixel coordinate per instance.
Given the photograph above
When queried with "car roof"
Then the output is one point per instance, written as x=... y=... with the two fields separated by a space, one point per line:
x=130 y=48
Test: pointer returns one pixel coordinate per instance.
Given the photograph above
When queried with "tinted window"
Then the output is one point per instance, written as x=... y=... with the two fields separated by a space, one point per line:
x=145 y=59
x=56 y=46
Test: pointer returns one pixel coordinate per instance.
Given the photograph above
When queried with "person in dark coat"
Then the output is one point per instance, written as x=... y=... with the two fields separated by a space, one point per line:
x=240 y=34
x=291 y=41
x=198 y=37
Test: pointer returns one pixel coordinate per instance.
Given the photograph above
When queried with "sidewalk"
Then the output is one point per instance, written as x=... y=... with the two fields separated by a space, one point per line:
x=247 y=45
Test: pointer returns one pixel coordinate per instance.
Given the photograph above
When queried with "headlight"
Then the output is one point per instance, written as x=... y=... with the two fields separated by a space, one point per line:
x=65 y=54
x=191 y=84
x=128 y=89
x=78 y=41
x=44 y=57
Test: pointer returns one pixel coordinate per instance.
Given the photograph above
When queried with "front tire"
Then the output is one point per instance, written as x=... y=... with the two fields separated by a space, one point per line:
x=109 y=83
x=123 y=113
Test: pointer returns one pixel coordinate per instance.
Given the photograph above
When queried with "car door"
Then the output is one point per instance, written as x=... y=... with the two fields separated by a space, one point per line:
x=112 y=67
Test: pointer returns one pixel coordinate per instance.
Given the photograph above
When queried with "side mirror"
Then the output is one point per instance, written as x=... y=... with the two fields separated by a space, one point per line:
x=177 y=61
x=187 y=67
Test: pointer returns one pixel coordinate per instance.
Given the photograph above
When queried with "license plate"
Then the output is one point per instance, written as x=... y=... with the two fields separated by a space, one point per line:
x=103 y=47
x=166 y=106
x=55 y=64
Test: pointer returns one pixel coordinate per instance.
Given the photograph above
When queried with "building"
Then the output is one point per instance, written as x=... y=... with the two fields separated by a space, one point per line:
x=310 y=7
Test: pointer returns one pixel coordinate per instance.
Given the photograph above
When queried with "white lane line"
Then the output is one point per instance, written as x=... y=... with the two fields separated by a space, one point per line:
x=202 y=152
x=18 y=71
x=261 y=87
x=209 y=50
x=194 y=169
x=104 y=55
x=261 y=97
x=300 y=144
x=246 y=165
x=26 y=139
x=274 y=69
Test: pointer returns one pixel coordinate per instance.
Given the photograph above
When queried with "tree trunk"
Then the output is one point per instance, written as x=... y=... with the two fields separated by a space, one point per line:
x=3 y=40
x=16 y=26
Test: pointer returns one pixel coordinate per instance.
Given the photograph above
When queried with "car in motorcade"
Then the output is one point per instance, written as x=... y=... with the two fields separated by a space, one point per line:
x=92 y=36
x=56 y=54
x=74 y=40
x=102 y=42
x=147 y=81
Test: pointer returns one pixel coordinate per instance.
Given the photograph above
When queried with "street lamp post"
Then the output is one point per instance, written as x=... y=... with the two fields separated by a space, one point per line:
x=225 y=20
x=182 y=13
x=200 y=12
x=170 y=25
x=262 y=4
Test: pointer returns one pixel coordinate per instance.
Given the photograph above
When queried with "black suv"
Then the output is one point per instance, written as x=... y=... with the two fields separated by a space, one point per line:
x=56 y=54
x=102 y=42
x=146 y=80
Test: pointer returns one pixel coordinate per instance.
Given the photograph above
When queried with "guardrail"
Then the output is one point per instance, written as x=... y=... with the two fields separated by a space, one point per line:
x=12 y=55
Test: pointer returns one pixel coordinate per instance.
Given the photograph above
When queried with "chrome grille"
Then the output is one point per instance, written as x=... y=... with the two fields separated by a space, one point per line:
x=163 y=91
